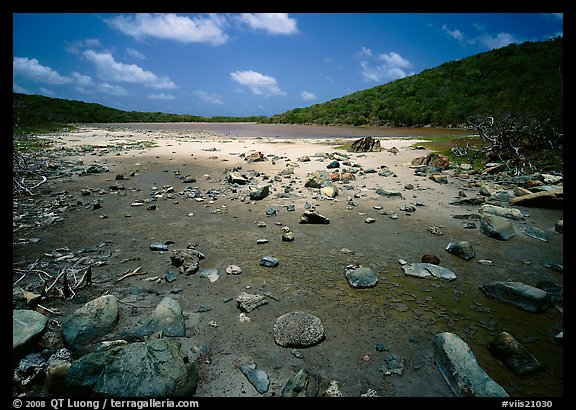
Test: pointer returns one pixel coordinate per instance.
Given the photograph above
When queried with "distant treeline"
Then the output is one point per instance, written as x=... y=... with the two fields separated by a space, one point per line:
x=520 y=79
x=524 y=79
x=37 y=111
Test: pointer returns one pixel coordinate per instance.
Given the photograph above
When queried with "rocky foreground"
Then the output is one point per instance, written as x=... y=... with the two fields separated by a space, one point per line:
x=85 y=325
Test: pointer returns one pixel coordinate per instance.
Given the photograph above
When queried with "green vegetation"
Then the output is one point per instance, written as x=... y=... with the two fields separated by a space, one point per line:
x=39 y=114
x=524 y=79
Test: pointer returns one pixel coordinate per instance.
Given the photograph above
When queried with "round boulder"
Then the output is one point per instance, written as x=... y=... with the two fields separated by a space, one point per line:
x=298 y=329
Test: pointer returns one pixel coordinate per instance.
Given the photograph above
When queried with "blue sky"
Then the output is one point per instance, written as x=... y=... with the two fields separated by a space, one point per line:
x=245 y=64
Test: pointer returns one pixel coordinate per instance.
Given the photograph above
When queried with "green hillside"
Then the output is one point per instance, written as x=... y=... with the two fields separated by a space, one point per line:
x=524 y=79
x=34 y=112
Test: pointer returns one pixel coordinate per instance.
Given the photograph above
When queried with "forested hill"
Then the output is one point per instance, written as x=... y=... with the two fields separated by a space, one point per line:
x=34 y=111
x=524 y=79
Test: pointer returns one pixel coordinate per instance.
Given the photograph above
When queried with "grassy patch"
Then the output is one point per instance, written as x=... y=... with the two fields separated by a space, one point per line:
x=27 y=143
x=444 y=144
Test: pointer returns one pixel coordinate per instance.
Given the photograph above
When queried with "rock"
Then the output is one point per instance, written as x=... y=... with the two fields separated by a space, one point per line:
x=462 y=249
x=186 y=260
x=247 y=302
x=258 y=378
x=235 y=178
x=535 y=233
x=56 y=371
x=559 y=226
x=23 y=299
x=515 y=356
x=496 y=227
x=432 y=160
x=426 y=270
x=313 y=217
x=317 y=179
x=552 y=199
x=156 y=246
x=153 y=368
x=361 y=277
x=430 y=258
x=269 y=261
x=331 y=191
x=166 y=318
x=258 y=193
x=90 y=322
x=461 y=371
x=233 y=270
x=298 y=329
x=388 y=193
x=525 y=297
x=366 y=144
x=303 y=384
x=439 y=178
x=255 y=157
x=333 y=164
x=510 y=213
x=394 y=365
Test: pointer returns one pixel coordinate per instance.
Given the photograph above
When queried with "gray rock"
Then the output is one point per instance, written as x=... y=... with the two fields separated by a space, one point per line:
x=166 y=318
x=361 y=277
x=462 y=249
x=461 y=371
x=27 y=326
x=388 y=193
x=156 y=246
x=258 y=193
x=510 y=213
x=427 y=270
x=90 y=322
x=153 y=368
x=496 y=227
x=258 y=378
x=269 y=261
x=535 y=233
x=298 y=329
x=303 y=384
x=247 y=302
x=525 y=297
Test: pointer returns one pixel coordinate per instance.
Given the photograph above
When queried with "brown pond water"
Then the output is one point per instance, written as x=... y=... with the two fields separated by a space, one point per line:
x=233 y=129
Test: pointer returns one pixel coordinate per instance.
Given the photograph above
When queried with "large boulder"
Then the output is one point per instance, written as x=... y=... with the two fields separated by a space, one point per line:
x=153 y=368
x=366 y=144
x=521 y=295
x=298 y=329
x=461 y=371
x=90 y=322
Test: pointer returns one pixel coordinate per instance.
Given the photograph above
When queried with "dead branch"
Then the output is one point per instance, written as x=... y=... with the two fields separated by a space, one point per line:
x=127 y=275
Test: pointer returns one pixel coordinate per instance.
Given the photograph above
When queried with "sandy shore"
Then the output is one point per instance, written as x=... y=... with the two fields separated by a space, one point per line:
x=403 y=313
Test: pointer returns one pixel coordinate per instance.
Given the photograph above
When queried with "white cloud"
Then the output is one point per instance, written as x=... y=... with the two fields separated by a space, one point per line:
x=135 y=53
x=383 y=68
x=209 y=97
x=82 y=80
x=455 y=34
x=258 y=83
x=273 y=23
x=307 y=96
x=161 y=96
x=394 y=60
x=497 y=41
x=77 y=46
x=173 y=27
x=111 y=89
x=110 y=70
x=31 y=69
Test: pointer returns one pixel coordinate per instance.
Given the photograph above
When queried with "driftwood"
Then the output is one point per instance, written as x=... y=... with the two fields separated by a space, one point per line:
x=128 y=274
